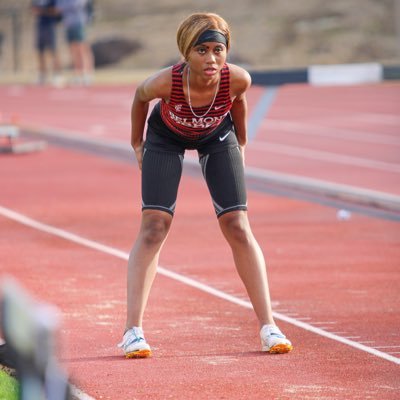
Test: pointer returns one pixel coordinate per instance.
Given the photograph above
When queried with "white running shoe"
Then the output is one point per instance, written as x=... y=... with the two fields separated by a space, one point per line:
x=273 y=340
x=134 y=344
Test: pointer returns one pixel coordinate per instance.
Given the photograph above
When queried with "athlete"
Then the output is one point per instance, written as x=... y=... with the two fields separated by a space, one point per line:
x=202 y=106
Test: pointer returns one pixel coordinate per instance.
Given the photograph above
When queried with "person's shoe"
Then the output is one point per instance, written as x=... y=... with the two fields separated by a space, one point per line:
x=58 y=81
x=273 y=340
x=134 y=344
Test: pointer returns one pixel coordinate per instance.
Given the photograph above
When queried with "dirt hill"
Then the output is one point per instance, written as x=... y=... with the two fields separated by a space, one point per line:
x=267 y=34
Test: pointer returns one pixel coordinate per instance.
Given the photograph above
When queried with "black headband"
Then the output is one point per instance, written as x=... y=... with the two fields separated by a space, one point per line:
x=211 y=35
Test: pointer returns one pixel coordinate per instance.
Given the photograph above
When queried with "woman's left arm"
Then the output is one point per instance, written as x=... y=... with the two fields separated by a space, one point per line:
x=240 y=82
x=239 y=117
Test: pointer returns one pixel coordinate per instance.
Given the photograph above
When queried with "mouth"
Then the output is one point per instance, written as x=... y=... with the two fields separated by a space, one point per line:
x=210 y=71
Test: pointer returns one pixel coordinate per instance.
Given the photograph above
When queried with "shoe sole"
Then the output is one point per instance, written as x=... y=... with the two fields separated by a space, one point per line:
x=280 y=349
x=139 y=354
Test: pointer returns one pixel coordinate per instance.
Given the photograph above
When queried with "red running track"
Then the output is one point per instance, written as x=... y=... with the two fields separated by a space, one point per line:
x=347 y=135
x=337 y=276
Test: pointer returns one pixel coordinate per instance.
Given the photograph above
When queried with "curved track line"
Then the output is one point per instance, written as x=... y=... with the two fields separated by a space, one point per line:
x=188 y=281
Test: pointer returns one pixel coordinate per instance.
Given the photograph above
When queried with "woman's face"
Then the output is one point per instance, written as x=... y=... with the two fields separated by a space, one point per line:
x=207 y=59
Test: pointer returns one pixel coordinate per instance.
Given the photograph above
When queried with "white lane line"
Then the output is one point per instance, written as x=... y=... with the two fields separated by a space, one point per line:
x=188 y=281
x=326 y=156
x=79 y=394
x=378 y=118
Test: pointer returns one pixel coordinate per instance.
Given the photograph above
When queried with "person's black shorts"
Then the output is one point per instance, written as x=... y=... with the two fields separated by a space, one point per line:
x=46 y=37
x=75 y=33
x=221 y=163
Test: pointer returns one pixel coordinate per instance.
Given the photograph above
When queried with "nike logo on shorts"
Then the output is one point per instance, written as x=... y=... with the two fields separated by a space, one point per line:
x=222 y=138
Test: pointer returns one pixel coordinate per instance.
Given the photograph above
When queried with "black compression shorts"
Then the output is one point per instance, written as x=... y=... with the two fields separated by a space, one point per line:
x=221 y=163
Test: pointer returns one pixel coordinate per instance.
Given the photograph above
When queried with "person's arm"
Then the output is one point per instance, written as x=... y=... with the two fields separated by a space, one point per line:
x=157 y=86
x=240 y=82
x=239 y=117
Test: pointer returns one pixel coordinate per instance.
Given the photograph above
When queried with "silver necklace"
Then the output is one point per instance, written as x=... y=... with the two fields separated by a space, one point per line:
x=190 y=102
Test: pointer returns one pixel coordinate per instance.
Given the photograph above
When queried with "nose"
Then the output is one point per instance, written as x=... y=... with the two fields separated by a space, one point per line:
x=211 y=58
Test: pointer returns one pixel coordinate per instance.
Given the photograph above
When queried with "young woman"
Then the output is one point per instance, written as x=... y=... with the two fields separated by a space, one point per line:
x=203 y=106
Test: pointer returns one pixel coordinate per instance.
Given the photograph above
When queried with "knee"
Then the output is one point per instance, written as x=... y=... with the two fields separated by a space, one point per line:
x=155 y=229
x=236 y=228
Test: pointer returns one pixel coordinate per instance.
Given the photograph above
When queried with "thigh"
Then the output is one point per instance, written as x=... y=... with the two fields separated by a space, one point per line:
x=224 y=174
x=42 y=38
x=161 y=174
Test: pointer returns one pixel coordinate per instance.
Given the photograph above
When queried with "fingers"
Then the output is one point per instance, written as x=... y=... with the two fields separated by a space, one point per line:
x=241 y=148
x=139 y=155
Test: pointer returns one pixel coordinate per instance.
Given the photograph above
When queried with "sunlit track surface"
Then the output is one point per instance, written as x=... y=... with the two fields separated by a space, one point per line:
x=339 y=276
x=346 y=135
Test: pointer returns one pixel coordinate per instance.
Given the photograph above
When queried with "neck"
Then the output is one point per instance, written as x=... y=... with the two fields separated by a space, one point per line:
x=197 y=81
x=190 y=100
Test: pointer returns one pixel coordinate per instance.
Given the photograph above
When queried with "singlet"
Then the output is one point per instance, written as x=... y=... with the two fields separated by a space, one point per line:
x=178 y=117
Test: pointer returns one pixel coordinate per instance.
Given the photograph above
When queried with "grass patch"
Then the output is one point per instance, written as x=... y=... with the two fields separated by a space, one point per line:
x=8 y=387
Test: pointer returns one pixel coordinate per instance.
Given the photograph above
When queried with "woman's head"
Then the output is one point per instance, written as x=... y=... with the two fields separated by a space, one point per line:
x=193 y=26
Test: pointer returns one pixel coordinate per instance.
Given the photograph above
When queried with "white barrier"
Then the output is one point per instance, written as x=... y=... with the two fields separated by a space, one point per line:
x=345 y=74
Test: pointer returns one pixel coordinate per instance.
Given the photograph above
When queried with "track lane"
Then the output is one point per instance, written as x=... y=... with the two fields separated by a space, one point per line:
x=103 y=210
x=298 y=238
x=347 y=111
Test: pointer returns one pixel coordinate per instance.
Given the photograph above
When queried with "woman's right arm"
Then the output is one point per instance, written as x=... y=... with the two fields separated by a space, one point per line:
x=140 y=107
x=157 y=86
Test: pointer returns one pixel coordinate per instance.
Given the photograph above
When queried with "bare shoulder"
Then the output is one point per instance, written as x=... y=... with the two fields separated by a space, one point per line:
x=156 y=86
x=240 y=79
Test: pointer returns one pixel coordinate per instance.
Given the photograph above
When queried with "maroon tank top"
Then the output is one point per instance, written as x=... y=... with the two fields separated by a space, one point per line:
x=178 y=116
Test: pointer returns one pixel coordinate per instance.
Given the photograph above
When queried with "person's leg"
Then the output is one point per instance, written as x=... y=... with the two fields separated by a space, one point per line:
x=87 y=56
x=41 y=50
x=52 y=46
x=74 y=39
x=143 y=261
x=42 y=67
x=87 y=63
x=56 y=63
x=76 y=57
x=224 y=173
x=249 y=262
x=161 y=174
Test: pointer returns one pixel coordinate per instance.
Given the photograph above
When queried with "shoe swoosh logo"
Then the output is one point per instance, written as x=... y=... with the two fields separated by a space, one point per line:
x=222 y=138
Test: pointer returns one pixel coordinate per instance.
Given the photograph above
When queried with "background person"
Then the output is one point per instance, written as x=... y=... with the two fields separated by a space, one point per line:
x=47 y=18
x=75 y=18
x=203 y=106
